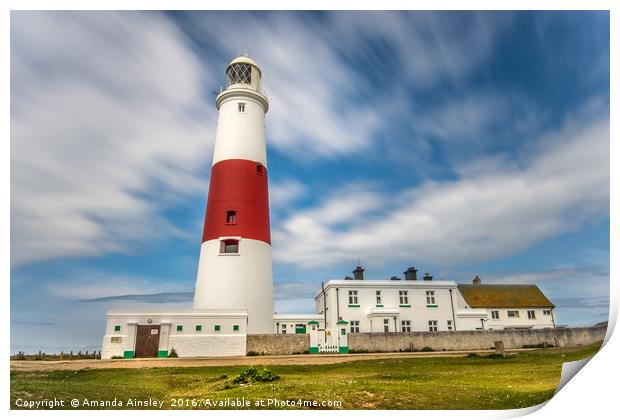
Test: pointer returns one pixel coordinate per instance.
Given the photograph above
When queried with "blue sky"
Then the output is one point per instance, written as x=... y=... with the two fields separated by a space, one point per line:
x=461 y=143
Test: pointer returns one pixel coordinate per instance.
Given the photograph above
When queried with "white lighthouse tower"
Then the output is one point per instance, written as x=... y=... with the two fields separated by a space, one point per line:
x=235 y=270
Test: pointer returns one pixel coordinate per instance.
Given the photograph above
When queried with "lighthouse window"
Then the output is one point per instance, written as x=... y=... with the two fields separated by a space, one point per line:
x=259 y=168
x=239 y=73
x=229 y=246
x=231 y=217
x=241 y=107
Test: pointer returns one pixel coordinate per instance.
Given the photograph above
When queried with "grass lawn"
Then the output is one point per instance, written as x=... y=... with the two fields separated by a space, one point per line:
x=517 y=381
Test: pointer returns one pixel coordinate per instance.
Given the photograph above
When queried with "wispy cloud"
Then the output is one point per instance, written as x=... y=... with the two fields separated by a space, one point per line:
x=102 y=286
x=25 y=322
x=107 y=128
x=582 y=303
x=171 y=297
x=563 y=184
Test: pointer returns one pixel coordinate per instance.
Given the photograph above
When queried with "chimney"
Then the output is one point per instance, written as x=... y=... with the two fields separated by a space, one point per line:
x=476 y=281
x=411 y=274
x=427 y=277
x=394 y=278
x=358 y=273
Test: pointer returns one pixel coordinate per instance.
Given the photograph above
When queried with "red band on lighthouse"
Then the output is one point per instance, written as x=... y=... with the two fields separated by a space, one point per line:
x=238 y=203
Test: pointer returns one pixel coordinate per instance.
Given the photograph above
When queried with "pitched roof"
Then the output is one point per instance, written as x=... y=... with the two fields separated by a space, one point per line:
x=504 y=296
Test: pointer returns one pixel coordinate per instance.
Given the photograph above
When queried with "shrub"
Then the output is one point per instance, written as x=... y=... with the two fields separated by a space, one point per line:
x=472 y=355
x=117 y=357
x=251 y=375
x=173 y=353
x=252 y=353
x=427 y=349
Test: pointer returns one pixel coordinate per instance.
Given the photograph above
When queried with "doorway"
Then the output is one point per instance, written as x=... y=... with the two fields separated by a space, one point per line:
x=147 y=340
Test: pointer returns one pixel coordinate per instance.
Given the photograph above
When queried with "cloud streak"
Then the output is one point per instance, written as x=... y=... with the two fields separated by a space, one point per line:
x=107 y=129
x=561 y=186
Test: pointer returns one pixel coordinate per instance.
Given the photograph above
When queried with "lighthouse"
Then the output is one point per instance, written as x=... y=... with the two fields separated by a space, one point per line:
x=235 y=266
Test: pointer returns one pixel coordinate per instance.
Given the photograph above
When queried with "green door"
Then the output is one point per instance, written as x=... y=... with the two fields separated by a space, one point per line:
x=300 y=329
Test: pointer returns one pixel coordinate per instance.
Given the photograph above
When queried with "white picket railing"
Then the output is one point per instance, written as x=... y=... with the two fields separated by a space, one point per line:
x=328 y=349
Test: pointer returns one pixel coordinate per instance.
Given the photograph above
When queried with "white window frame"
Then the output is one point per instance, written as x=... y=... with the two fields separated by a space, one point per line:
x=531 y=314
x=405 y=325
x=403 y=296
x=547 y=312
x=355 y=326
x=378 y=297
x=450 y=326
x=430 y=297
x=386 y=325
x=241 y=107
x=515 y=314
x=432 y=325
x=283 y=328
x=495 y=314
x=352 y=297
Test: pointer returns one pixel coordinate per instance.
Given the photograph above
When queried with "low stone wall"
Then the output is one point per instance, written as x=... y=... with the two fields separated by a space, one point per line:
x=473 y=340
x=278 y=343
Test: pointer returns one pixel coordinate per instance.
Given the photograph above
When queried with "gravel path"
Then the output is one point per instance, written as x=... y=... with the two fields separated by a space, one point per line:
x=300 y=359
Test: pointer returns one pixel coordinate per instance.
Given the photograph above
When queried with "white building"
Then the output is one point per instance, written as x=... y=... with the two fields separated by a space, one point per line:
x=411 y=305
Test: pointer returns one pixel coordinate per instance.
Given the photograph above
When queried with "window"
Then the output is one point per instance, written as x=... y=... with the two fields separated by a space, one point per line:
x=217 y=328
x=283 y=328
x=432 y=325
x=343 y=331
x=116 y=340
x=404 y=299
x=241 y=107
x=352 y=297
x=179 y=328
x=494 y=314
x=229 y=246
x=231 y=217
x=355 y=326
x=235 y=328
x=430 y=298
x=531 y=314
x=239 y=73
x=547 y=312
x=117 y=328
x=198 y=327
x=513 y=314
x=259 y=168
x=449 y=325
x=378 y=294
x=386 y=325
x=405 y=326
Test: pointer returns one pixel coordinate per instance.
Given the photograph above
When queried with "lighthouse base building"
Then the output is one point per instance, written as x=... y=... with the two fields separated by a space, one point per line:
x=234 y=287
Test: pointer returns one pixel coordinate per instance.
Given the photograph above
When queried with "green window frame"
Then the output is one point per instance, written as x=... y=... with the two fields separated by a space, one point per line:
x=117 y=328
x=198 y=327
x=235 y=328
x=179 y=328
x=217 y=328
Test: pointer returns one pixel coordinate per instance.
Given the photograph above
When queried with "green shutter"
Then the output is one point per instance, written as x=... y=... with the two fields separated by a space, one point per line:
x=117 y=328
x=235 y=328
x=217 y=328
x=179 y=327
x=198 y=327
